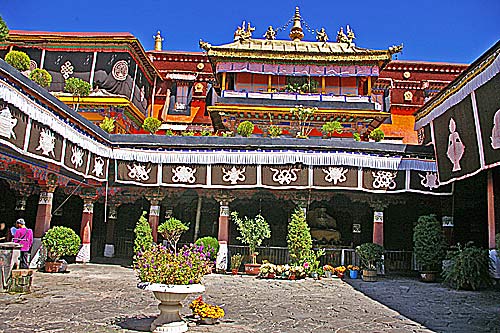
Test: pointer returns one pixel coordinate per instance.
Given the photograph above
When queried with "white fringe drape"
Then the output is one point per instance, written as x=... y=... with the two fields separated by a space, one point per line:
x=38 y=113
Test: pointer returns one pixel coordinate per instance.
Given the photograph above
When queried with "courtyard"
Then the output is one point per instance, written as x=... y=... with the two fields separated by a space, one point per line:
x=104 y=298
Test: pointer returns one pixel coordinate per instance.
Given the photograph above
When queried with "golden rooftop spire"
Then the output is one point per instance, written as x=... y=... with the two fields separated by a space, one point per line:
x=296 y=33
x=158 y=41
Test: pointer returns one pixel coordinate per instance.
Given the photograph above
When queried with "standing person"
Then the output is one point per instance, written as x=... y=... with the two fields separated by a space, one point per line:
x=4 y=232
x=23 y=236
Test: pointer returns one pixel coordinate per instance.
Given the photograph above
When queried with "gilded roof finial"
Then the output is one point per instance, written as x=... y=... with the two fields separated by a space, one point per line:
x=296 y=33
x=241 y=34
x=158 y=41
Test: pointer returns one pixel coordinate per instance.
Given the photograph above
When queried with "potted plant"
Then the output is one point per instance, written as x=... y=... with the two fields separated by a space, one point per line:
x=171 y=230
x=468 y=268
x=253 y=232
x=236 y=263
x=429 y=246
x=370 y=255
x=274 y=131
x=151 y=124
x=331 y=128
x=41 y=76
x=143 y=234
x=19 y=60
x=377 y=135
x=353 y=271
x=267 y=270
x=211 y=248
x=108 y=124
x=340 y=271
x=245 y=128
x=171 y=276
x=207 y=313
x=78 y=88
x=328 y=270
x=57 y=242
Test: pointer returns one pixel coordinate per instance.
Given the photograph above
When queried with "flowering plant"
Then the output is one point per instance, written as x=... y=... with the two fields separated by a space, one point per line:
x=205 y=310
x=267 y=270
x=162 y=265
x=328 y=268
x=298 y=271
x=353 y=268
x=340 y=269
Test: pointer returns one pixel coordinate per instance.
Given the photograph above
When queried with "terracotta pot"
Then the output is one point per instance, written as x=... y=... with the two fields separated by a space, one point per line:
x=252 y=269
x=234 y=271
x=53 y=266
x=291 y=277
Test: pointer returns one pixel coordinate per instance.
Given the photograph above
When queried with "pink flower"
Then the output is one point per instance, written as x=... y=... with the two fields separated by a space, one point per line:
x=306 y=265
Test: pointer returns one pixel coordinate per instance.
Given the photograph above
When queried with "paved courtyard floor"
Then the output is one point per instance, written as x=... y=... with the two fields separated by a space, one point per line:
x=104 y=298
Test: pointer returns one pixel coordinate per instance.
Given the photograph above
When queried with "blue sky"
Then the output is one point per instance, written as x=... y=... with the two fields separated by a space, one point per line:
x=431 y=30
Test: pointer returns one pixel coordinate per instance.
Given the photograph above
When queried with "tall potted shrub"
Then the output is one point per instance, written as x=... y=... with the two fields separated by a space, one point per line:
x=151 y=124
x=172 y=230
x=253 y=232
x=370 y=255
x=78 y=88
x=468 y=268
x=245 y=128
x=19 y=60
x=59 y=241
x=41 y=76
x=143 y=234
x=429 y=246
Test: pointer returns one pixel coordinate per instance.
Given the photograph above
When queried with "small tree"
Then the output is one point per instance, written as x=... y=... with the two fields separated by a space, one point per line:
x=468 y=269
x=370 y=255
x=143 y=234
x=4 y=30
x=42 y=77
x=332 y=127
x=429 y=243
x=299 y=238
x=108 y=124
x=303 y=116
x=78 y=88
x=19 y=60
x=151 y=124
x=377 y=135
x=245 y=128
x=60 y=241
x=252 y=231
x=171 y=230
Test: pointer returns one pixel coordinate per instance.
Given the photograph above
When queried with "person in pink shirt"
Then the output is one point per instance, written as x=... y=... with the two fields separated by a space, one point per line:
x=23 y=236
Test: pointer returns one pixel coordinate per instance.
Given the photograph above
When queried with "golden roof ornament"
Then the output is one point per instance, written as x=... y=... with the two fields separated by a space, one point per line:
x=296 y=33
x=321 y=35
x=343 y=38
x=396 y=49
x=243 y=33
x=158 y=41
x=270 y=33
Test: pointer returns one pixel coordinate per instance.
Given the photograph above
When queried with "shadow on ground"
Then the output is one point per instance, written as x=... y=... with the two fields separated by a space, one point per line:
x=434 y=305
x=135 y=323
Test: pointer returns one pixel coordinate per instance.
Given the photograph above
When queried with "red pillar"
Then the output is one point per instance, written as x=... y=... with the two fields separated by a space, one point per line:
x=378 y=228
x=44 y=211
x=223 y=222
x=154 y=218
x=491 y=211
x=86 y=229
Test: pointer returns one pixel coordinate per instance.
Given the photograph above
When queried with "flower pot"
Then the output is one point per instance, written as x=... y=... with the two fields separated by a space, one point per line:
x=353 y=274
x=428 y=276
x=369 y=275
x=53 y=266
x=252 y=269
x=340 y=275
x=170 y=297
x=234 y=271
x=328 y=274
x=291 y=277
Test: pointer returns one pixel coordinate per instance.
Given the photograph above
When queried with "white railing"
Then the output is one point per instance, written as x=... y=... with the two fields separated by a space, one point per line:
x=297 y=97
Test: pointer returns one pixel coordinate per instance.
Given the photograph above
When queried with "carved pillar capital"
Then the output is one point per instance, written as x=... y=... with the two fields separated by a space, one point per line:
x=224 y=198
x=155 y=196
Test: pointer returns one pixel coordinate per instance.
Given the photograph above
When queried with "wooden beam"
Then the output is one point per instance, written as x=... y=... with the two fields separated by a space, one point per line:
x=223 y=85
x=369 y=92
x=491 y=210
x=323 y=85
x=269 y=83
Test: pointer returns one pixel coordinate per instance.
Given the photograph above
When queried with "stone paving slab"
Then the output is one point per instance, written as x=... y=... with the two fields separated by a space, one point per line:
x=104 y=298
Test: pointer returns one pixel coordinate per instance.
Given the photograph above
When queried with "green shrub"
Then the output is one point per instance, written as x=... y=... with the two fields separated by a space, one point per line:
x=108 y=124
x=77 y=87
x=356 y=137
x=210 y=244
x=205 y=132
x=332 y=127
x=252 y=231
x=151 y=124
x=60 y=241
x=377 y=135
x=188 y=133
x=274 y=131
x=41 y=76
x=4 y=30
x=171 y=230
x=236 y=260
x=468 y=268
x=143 y=234
x=429 y=243
x=19 y=60
x=169 y=132
x=370 y=255
x=245 y=128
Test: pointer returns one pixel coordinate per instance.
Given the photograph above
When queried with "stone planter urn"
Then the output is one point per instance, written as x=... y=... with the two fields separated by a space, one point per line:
x=170 y=297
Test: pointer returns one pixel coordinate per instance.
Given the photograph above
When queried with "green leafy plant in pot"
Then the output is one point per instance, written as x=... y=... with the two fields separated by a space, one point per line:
x=370 y=255
x=57 y=242
x=468 y=268
x=429 y=246
x=236 y=260
x=172 y=230
x=253 y=232
x=245 y=128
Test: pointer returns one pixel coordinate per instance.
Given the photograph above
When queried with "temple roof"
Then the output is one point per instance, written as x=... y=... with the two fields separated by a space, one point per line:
x=288 y=50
